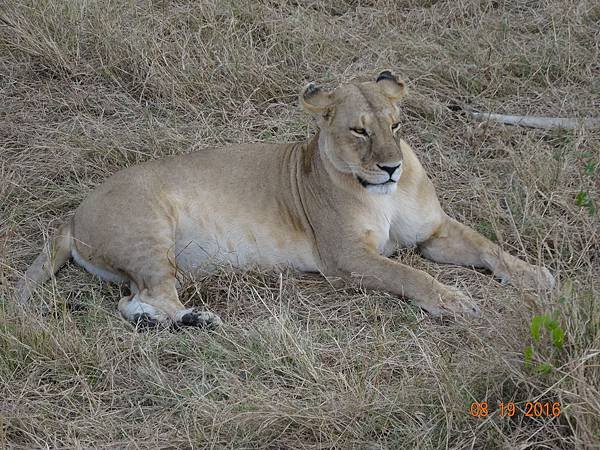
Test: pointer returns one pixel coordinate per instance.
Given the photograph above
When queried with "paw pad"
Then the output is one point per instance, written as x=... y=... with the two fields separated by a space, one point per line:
x=145 y=320
x=201 y=319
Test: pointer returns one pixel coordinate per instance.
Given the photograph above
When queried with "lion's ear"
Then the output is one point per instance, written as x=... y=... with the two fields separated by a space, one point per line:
x=391 y=85
x=314 y=100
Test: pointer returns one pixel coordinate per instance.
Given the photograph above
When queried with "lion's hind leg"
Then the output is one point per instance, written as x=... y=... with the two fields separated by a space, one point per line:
x=133 y=309
x=154 y=299
x=159 y=305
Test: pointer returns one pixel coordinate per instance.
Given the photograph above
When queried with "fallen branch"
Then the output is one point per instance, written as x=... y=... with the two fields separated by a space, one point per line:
x=426 y=105
x=538 y=122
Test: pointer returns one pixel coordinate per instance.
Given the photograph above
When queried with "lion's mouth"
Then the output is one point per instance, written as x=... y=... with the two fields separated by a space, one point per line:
x=365 y=183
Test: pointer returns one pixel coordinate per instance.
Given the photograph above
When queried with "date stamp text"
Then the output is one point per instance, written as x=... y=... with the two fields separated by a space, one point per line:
x=509 y=409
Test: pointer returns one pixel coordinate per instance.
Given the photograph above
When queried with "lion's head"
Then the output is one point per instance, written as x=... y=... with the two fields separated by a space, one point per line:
x=358 y=125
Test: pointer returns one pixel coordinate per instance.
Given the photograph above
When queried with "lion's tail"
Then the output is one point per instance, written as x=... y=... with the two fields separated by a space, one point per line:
x=52 y=258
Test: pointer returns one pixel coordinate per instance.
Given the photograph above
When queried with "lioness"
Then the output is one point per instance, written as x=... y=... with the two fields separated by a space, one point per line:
x=338 y=204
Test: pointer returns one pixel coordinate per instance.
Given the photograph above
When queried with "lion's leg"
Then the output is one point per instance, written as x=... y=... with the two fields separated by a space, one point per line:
x=381 y=273
x=455 y=243
x=159 y=304
x=154 y=298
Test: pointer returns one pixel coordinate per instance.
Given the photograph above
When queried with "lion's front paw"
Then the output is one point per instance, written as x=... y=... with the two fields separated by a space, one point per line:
x=450 y=302
x=531 y=277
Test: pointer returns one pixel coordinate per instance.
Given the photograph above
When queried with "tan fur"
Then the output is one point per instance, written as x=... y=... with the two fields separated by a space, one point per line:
x=319 y=205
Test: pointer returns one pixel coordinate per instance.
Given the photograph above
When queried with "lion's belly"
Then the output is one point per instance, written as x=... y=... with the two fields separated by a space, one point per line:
x=204 y=246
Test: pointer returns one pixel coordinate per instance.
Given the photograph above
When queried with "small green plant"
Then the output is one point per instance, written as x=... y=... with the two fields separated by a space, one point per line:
x=487 y=229
x=557 y=337
x=583 y=198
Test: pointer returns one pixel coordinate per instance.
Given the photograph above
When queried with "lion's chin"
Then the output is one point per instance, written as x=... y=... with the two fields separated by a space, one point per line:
x=382 y=189
x=387 y=187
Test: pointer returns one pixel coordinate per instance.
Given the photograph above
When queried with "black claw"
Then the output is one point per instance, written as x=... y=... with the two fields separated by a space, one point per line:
x=191 y=320
x=145 y=320
x=196 y=319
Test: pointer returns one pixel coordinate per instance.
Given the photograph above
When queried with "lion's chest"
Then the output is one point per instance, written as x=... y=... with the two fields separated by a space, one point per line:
x=416 y=219
x=405 y=220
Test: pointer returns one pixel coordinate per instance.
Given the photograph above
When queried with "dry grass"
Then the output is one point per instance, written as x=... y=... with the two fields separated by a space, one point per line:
x=88 y=87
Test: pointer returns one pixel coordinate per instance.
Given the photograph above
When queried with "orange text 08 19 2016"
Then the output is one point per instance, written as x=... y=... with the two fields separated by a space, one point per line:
x=509 y=409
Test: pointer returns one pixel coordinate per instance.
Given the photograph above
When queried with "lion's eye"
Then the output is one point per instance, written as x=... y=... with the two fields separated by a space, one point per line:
x=395 y=127
x=360 y=131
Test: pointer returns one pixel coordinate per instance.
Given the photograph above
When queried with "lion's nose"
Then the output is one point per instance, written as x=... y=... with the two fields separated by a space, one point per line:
x=390 y=168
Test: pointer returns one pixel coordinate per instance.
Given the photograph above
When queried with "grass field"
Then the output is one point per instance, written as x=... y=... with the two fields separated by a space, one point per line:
x=89 y=86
